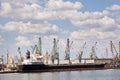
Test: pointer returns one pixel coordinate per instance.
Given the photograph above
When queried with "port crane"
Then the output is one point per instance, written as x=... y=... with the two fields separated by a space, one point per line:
x=55 y=53
x=93 y=53
x=40 y=47
x=115 y=53
x=37 y=48
x=105 y=55
x=21 y=57
x=80 y=53
x=33 y=49
x=67 y=50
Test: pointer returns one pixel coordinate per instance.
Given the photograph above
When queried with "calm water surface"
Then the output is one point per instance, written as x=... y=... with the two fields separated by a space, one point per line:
x=72 y=75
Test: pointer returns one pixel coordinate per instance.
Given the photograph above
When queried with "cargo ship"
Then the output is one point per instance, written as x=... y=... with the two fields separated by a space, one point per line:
x=35 y=62
x=57 y=68
x=37 y=65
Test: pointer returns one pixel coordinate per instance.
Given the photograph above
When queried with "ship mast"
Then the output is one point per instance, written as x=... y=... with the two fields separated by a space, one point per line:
x=67 y=50
x=55 y=53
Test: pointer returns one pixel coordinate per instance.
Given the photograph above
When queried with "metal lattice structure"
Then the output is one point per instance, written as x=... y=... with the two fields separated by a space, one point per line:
x=67 y=50
x=55 y=53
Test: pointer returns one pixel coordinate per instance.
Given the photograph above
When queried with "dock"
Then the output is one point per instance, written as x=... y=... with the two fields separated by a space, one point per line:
x=11 y=71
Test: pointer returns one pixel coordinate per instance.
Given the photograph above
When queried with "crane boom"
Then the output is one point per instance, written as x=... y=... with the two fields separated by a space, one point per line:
x=84 y=45
x=114 y=48
x=116 y=56
x=33 y=48
x=93 y=52
x=81 y=52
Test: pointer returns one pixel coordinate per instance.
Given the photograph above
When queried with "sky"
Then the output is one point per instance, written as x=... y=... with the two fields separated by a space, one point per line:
x=23 y=22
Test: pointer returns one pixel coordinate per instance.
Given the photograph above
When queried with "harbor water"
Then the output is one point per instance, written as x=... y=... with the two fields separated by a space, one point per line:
x=110 y=74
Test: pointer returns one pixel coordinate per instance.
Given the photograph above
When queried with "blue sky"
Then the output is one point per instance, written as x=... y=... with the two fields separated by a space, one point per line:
x=22 y=22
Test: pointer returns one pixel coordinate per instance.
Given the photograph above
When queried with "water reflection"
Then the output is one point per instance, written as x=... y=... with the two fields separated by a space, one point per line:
x=72 y=75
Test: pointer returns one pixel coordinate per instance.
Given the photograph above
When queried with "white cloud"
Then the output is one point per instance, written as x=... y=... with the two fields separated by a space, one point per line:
x=23 y=41
x=61 y=5
x=6 y=9
x=54 y=9
x=21 y=1
x=114 y=7
x=88 y=15
x=93 y=34
x=22 y=27
x=104 y=22
x=114 y=12
x=25 y=11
